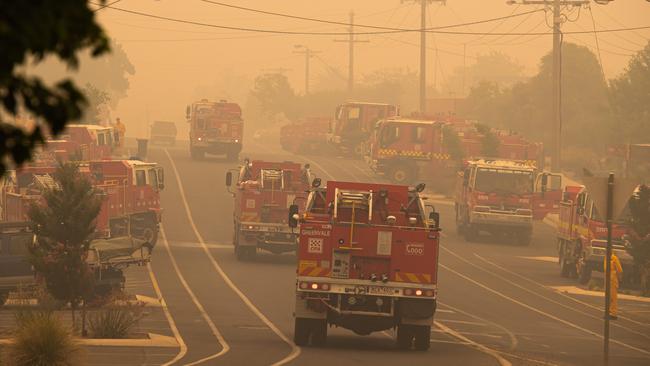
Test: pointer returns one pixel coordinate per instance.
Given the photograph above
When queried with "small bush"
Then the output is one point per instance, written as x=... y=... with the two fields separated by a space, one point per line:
x=41 y=339
x=115 y=322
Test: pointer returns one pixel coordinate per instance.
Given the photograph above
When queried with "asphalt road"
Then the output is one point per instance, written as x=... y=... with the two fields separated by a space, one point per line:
x=496 y=301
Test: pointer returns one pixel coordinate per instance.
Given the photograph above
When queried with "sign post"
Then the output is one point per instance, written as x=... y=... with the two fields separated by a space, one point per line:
x=611 y=199
x=608 y=265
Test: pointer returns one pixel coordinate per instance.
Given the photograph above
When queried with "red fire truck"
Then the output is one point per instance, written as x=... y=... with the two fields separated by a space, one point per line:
x=263 y=195
x=131 y=191
x=308 y=135
x=78 y=142
x=215 y=128
x=367 y=262
x=495 y=196
x=407 y=150
x=582 y=236
x=354 y=124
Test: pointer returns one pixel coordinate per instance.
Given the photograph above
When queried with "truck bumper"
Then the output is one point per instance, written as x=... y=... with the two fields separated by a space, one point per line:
x=218 y=146
x=275 y=238
x=493 y=219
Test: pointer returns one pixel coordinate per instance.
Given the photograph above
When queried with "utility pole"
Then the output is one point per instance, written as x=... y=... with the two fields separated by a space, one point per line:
x=308 y=52
x=423 y=51
x=351 y=41
x=556 y=154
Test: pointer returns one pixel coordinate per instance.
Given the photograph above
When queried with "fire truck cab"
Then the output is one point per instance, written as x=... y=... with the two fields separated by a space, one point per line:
x=495 y=196
x=263 y=194
x=215 y=128
x=354 y=124
x=367 y=262
x=582 y=236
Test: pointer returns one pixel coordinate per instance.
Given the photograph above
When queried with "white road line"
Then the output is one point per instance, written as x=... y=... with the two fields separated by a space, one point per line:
x=469 y=333
x=224 y=345
x=463 y=322
x=541 y=312
x=513 y=339
x=568 y=297
x=295 y=350
x=172 y=324
x=502 y=361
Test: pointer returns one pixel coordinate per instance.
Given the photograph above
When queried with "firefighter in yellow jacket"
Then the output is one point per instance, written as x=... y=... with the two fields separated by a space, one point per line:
x=615 y=278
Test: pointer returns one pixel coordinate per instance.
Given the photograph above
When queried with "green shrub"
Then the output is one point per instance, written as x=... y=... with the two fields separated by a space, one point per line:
x=114 y=322
x=41 y=339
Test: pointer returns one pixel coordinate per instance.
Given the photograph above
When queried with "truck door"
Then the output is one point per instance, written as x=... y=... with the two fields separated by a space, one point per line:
x=547 y=194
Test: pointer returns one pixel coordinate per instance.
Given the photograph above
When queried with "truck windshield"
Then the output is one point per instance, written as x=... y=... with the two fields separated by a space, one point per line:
x=503 y=181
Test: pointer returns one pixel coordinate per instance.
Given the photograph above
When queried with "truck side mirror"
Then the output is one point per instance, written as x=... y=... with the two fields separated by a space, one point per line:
x=293 y=216
x=434 y=219
x=187 y=112
x=316 y=183
x=161 y=178
x=228 y=179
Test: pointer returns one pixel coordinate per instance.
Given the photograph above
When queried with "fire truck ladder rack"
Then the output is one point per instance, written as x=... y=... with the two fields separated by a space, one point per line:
x=352 y=199
x=273 y=176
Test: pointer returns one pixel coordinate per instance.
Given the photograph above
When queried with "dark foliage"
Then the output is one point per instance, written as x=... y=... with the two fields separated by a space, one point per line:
x=29 y=32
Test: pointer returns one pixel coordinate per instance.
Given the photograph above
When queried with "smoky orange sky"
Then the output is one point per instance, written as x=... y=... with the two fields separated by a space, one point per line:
x=176 y=63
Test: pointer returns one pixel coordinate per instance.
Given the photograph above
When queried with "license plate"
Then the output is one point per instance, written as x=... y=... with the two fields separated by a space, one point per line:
x=379 y=290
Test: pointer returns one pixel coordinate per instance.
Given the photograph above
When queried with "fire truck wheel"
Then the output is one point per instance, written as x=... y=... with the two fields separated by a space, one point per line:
x=197 y=154
x=470 y=233
x=523 y=238
x=302 y=329
x=405 y=335
x=401 y=174
x=240 y=252
x=422 y=337
x=319 y=332
x=565 y=267
x=584 y=273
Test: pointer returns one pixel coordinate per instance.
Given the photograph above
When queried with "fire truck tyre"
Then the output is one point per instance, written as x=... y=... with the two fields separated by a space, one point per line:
x=232 y=155
x=422 y=337
x=196 y=153
x=405 y=334
x=523 y=238
x=401 y=174
x=251 y=253
x=319 y=332
x=470 y=233
x=565 y=267
x=584 y=274
x=240 y=252
x=301 y=331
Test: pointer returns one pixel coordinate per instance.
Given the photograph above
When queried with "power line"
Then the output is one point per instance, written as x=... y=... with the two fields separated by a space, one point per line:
x=600 y=60
x=429 y=30
x=359 y=25
x=104 y=6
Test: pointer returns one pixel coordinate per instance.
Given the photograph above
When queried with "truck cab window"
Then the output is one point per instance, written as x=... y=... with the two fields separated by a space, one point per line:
x=390 y=135
x=153 y=178
x=140 y=178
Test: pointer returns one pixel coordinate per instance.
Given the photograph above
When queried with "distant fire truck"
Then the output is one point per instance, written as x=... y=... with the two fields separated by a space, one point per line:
x=355 y=122
x=582 y=236
x=78 y=142
x=407 y=150
x=495 y=196
x=308 y=135
x=263 y=195
x=215 y=128
x=130 y=191
x=367 y=261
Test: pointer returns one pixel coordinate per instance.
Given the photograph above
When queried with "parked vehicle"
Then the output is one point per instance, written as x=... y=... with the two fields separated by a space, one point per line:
x=15 y=269
x=367 y=261
x=163 y=132
x=354 y=124
x=582 y=237
x=305 y=136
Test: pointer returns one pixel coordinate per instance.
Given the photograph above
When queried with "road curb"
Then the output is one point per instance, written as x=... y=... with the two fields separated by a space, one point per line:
x=153 y=340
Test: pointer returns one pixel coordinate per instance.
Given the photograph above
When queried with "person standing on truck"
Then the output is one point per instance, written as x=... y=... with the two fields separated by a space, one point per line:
x=615 y=278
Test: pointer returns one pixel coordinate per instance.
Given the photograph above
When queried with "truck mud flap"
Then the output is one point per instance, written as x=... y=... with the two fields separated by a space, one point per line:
x=416 y=309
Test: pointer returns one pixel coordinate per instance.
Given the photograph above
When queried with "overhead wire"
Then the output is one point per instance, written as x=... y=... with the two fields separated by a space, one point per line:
x=104 y=6
x=435 y=30
x=359 y=25
x=600 y=59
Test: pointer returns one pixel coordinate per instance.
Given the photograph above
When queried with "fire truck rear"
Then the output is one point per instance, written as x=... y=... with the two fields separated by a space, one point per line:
x=215 y=128
x=495 y=196
x=308 y=135
x=354 y=124
x=263 y=195
x=367 y=262
x=582 y=236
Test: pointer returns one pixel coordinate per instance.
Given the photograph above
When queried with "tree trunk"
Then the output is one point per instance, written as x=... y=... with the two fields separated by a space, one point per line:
x=74 y=320
x=84 y=333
